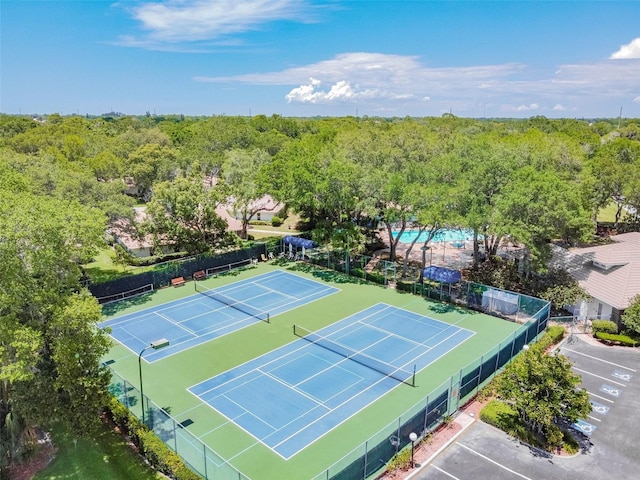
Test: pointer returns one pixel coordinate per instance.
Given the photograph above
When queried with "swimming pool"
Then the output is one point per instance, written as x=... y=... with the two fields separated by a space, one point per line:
x=446 y=235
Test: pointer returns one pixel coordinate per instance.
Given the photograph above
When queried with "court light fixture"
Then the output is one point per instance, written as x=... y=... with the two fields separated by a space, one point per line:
x=413 y=437
x=156 y=345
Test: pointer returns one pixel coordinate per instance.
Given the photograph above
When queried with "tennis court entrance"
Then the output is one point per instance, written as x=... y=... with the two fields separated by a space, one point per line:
x=294 y=395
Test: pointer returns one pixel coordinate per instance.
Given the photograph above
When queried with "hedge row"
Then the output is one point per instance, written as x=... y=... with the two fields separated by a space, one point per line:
x=552 y=336
x=147 y=261
x=604 y=326
x=617 y=339
x=154 y=450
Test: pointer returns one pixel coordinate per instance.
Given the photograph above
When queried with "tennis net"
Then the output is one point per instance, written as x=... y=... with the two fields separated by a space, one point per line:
x=379 y=366
x=235 y=304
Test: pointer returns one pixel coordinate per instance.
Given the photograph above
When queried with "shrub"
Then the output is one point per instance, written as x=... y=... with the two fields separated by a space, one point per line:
x=146 y=261
x=502 y=416
x=154 y=450
x=276 y=221
x=617 y=339
x=552 y=336
x=498 y=414
x=400 y=461
x=604 y=326
x=404 y=286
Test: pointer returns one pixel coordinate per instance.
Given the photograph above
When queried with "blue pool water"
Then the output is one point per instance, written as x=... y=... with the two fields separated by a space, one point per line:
x=447 y=235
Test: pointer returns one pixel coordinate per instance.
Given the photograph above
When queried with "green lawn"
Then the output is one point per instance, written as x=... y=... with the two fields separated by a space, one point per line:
x=103 y=268
x=104 y=456
x=608 y=213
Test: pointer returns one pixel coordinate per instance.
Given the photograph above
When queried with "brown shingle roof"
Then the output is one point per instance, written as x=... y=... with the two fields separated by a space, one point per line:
x=610 y=273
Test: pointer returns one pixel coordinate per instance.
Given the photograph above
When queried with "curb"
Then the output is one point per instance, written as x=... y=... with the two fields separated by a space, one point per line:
x=426 y=463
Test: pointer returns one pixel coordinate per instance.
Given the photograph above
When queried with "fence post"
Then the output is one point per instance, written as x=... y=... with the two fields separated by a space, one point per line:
x=204 y=456
x=426 y=415
x=366 y=461
x=495 y=368
x=175 y=436
x=479 y=374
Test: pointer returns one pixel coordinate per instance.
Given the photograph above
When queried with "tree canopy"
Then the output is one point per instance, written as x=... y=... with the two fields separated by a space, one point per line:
x=544 y=391
x=64 y=179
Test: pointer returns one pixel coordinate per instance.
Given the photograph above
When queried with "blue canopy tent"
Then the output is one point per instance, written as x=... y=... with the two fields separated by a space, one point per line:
x=297 y=243
x=442 y=275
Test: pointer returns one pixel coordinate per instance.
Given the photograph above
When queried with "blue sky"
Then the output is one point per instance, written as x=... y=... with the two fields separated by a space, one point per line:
x=575 y=59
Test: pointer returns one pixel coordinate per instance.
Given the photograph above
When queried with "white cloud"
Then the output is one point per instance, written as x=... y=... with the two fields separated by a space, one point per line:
x=177 y=21
x=389 y=81
x=340 y=91
x=362 y=75
x=526 y=108
x=637 y=99
x=630 y=50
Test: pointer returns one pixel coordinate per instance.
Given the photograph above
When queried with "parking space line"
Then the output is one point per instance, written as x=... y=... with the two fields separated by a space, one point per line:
x=446 y=473
x=494 y=462
x=598 y=376
x=601 y=398
x=594 y=418
x=600 y=359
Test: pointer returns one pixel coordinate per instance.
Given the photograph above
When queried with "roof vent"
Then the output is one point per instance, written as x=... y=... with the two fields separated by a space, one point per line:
x=600 y=265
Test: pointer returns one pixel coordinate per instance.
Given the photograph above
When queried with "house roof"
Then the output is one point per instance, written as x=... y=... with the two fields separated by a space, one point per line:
x=233 y=225
x=609 y=273
x=123 y=230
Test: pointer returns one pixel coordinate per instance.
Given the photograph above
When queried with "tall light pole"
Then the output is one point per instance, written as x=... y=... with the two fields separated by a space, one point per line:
x=156 y=345
x=413 y=437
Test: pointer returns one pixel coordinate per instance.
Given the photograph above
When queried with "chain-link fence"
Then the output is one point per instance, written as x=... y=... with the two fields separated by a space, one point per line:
x=199 y=457
x=162 y=274
x=373 y=455
x=425 y=416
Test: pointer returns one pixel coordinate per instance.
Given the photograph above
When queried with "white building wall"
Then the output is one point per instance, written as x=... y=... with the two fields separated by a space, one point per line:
x=593 y=309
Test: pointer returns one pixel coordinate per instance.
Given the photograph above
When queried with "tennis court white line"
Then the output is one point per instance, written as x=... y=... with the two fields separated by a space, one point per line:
x=392 y=334
x=331 y=410
x=446 y=473
x=598 y=376
x=461 y=319
x=296 y=279
x=601 y=398
x=247 y=412
x=306 y=379
x=600 y=359
x=242 y=452
x=452 y=335
x=188 y=330
x=291 y=387
x=494 y=462
x=294 y=300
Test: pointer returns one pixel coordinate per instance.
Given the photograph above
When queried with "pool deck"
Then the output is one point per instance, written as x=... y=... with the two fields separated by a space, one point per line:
x=442 y=254
x=445 y=254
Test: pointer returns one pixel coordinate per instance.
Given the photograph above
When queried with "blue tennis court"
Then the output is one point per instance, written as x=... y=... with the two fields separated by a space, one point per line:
x=199 y=318
x=292 y=396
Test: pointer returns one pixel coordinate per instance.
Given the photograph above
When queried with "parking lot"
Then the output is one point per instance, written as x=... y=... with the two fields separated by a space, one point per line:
x=611 y=376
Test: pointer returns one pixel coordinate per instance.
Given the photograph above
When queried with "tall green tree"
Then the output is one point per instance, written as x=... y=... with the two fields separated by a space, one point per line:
x=183 y=214
x=50 y=348
x=631 y=316
x=246 y=184
x=537 y=206
x=544 y=391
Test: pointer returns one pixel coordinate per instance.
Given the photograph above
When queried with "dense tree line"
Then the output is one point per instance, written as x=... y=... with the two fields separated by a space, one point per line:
x=63 y=179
